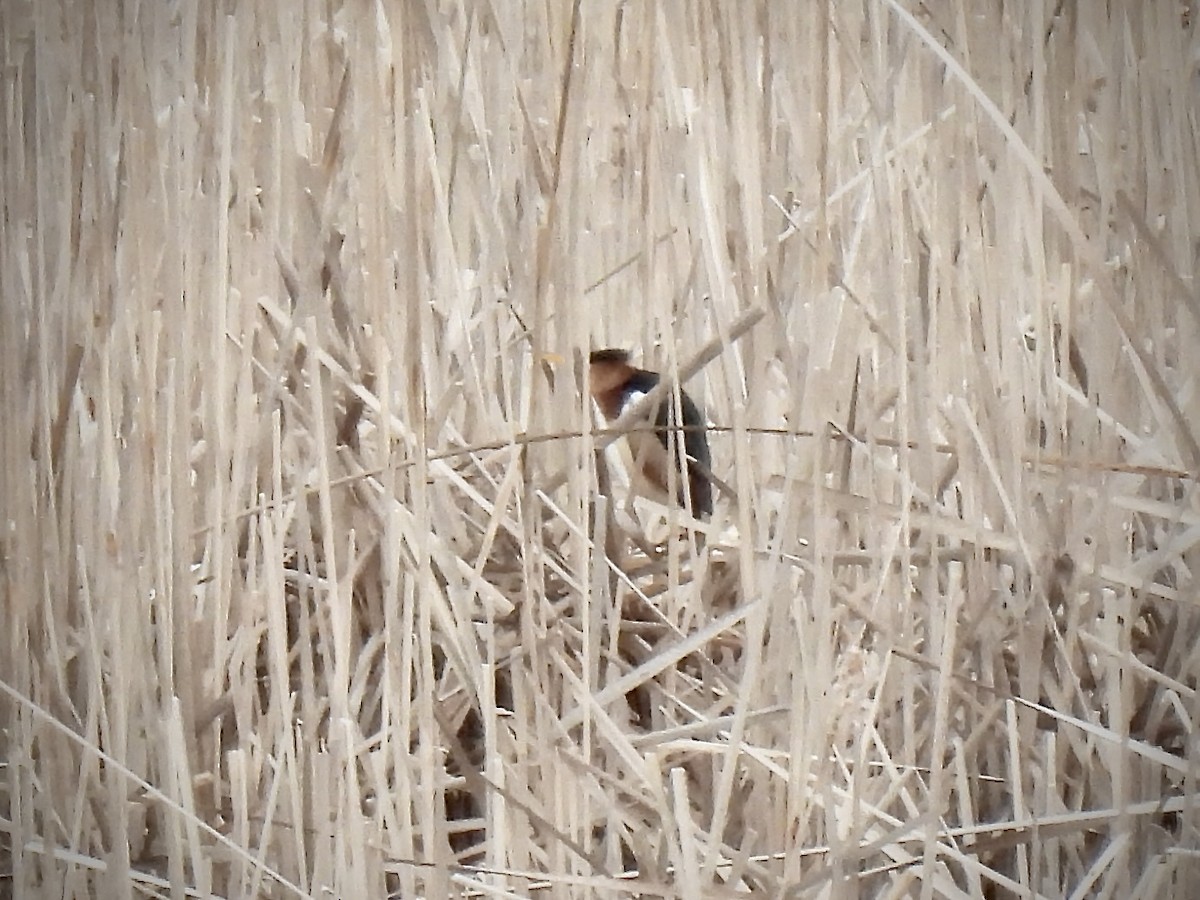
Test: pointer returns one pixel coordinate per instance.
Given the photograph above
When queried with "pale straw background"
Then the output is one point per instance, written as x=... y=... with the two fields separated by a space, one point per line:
x=300 y=595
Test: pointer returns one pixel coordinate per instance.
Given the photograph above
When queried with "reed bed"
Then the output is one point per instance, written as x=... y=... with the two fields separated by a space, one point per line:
x=320 y=579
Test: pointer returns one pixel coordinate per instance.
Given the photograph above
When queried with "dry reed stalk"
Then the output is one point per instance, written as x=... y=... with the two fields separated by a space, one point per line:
x=307 y=583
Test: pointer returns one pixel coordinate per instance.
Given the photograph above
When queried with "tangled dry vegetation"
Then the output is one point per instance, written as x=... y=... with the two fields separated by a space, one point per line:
x=318 y=580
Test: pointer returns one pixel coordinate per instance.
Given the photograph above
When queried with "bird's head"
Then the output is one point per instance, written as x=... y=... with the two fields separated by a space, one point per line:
x=609 y=372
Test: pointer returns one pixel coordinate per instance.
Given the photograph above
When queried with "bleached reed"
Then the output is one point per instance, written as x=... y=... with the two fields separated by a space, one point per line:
x=313 y=583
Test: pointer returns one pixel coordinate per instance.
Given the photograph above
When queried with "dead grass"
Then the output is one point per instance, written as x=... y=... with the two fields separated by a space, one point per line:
x=308 y=587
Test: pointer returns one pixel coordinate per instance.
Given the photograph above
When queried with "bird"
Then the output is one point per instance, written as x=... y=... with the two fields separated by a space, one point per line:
x=615 y=385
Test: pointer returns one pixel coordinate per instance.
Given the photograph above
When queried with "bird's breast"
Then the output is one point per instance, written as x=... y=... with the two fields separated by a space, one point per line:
x=649 y=458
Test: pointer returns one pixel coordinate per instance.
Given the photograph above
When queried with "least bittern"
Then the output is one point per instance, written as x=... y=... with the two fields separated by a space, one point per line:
x=615 y=385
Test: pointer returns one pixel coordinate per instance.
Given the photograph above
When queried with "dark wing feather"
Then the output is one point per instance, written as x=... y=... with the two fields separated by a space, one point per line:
x=695 y=440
